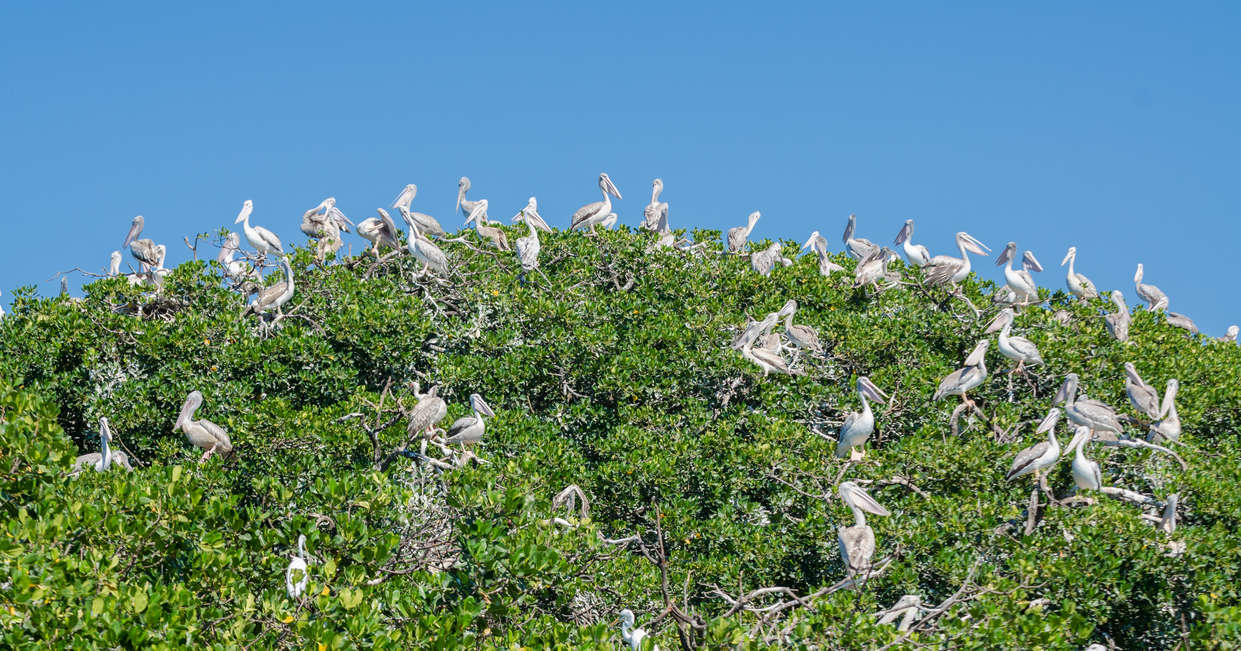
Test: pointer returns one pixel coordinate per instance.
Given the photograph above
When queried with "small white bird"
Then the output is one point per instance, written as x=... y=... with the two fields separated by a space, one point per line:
x=296 y=577
x=632 y=636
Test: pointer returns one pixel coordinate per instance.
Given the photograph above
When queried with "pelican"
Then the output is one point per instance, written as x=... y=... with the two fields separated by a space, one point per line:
x=470 y=428
x=609 y=221
x=427 y=413
x=756 y=329
x=947 y=270
x=859 y=248
x=325 y=220
x=1043 y=454
x=857 y=543
x=114 y=265
x=1118 y=322
x=859 y=425
x=426 y=223
x=1085 y=471
x=1142 y=396
x=1019 y=349
x=273 y=298
x=802 y=336
x=528 y=246
x=1169 y=424
x=486 y=231
x=1167 y=522
x=1079 y=285
x=297 y=575
x=424 y=250
x=235 y=270
x=380 y=230
x=873 y=268
x=263 y=240
x=766 y=360
x=142 y=249
x=656 y=209
x=767 y=259
x=917 y=254
x=818 y=244
x=968 y=377
x=202 y=434
x=1020 y=281
x=632 y=636
x=464 y=205
x=1154 y=297
x=592 y=214
x=1091 y=413
x=1181 y=321
x=738 y=235
x=405 y=197
x=532 y=216
x=106 y=457
x=1231 y=333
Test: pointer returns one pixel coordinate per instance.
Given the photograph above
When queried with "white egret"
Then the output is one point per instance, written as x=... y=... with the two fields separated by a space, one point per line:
x=296 y=576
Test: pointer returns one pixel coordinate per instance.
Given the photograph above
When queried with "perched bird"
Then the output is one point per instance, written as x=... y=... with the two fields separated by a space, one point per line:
x=1181 y=321
x=235 y=270
x=766 y=360
x=874 y=268
x=427 y=413
x=271 y=299
x=857 y=247
x=1168 y=427
x=1079 y=285
x=427 y=225
x=464 y=205
x=802 y=336
x=593 y=214
x=1043 y=454
x=296 y=576
x=859 y=425
x=947 y=270
x=1231 y=333
x=143 y=249
x=632 y=636
x=767 y=259
x=530 y=214
x=1020 y=281
x=380 y=231
x=1142 y=396
x=405 y=197
x=486 y=231
x=1154 y=297
x=114 y=264
x=470 y=428
x=967 y=377
x=917 y=254
x=1086 y=472
x=738 y=235
x=1091 y=413
x=857 y=543
x=655 y=211
x=1019 y=349
x=1118 y=322
x=756 y=329
x=528 y=246
x=263 y=240
x=907 y=608
x=424 y=250
x=818 y=244
x=202 y=434
x=106 y=457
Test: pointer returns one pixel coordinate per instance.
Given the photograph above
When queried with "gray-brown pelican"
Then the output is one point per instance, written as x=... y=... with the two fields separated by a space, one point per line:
x=271 y=299
x=1079 y=285
x=633 y=637
x=1231 y=333
x=464 y=205
x=470 y=428
x=917 y=254
x=1118 y=322
x=1168 y=426
x=857 y=247
x=263 y=240
x=593 y=214
x=325 y=220
x=106 y=457
x=756 y=329
x=818 y=244
x=1091 y=413
x=427 y=225
x=405 y=197
x=874 y=268
x=427 y=413
x=767 y=259
x=1020 y=281
x=202 y=434
x=485 y=230
x=528 y=246
x=1154 y=297
x=767 y=360
x=1086 y=472
x=424 y=250
x=114 y=264
x=802 y=336
x=1142 y=396
x=1181 y=321
x=947 y=270
x=857 y=543
x=859 y=425
x=656 y=209
x=142 y=249
x=296 y=576
x=1019 y=349
x=380 y=231
x=967 y=377
x=532 y=216
x=1043 y=454
x=739 y=235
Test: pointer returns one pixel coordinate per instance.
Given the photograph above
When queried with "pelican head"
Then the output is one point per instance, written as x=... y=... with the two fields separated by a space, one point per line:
x=907 y=231
x=192 y=402
x=979 y=354
x=1173 y=387
x=850 y=228
x=627 y=618
x=1081 y=436
x=971 y=244
x=752 y=219
x=246 y=208
x=606 y=184
x=788 y=309
x=135 y=229
x=1069 y=256
x=1068 y=390
x=463 y=186
x=856 y=498
x=811 y=241
x=1005 y=317
x=481 y=406
x=1137 y=277
x=867 y=388
x=1049 y=421
x=411 y=189
x=1009 y=251
x=657 y=185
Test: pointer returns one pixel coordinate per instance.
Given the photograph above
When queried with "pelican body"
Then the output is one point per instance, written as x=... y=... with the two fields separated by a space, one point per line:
x=1118 y=322
x=1086 y=473
x=1019 y=349
x=143 y=249
x=739 y=235
x=528 y=246
x=202 y=434
x=106 y=457
x=470 y=429
x=1168 y=427
x=427 y=413
x=818 y=244
x=423 y=249
x=1079 y=285
x=486 y=231
x=1020 y=281
x=857 y=543
x=380 y=231
x=947 y=270
x=1142 y=396
x=857 y=247
x=967 y=377
x=464 y=205
x=1154 y=297
x=1041 y=455
x=859 y=425
x=917 y=254
x=1093 y=414
x=263 y=240
x=271 y=299
x=656 y=212
x=593 y=214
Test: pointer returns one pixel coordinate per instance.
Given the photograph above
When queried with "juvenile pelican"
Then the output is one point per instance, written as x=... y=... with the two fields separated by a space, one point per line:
x=427 y=413
x=427 y=224
x=1020 y=281
x=202 y=434
x=857 y=247
x=106 y=457
x=114 y=265
x=1079 y=285
x=380 y=231
x=424 y=250
x=1043 y=454
x=947 y=270
x=857 y=543
x=296 y=576
x=142 y=249
x=967 y=377
x=1091 y=413
x=738 y=235
x=767 y=259
x=1154 y=297
x=1118 y=322
x=1085 y=471
x=633 y=637
x=656 y=209
x=859 y=425
x=802 y=336
x=1231 y=333
x=263 y=240
x=405 y=197
x=874 y=268
x=917 y=254
x=532 y=217
x=528 y=246
x=756 y=329
x=818 y=244
x=1168 y=427
x=464 y=205
x=1019 y=349
x=486 y=231
x=766 y=360
x=595 y=213
x=470 y=428
x=273 y=298
x=1181 y=321
x=1142 y=396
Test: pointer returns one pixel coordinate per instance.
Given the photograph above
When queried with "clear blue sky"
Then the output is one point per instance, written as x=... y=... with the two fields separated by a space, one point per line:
x=1112 y=126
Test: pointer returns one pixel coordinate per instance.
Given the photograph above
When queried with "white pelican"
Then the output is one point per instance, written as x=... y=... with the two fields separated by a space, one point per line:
x=917 y=254
x=656 y=209
x=532 y=216
x=756 y=329
x=947 y=270
x=1085 y=471
x=595 y=213
x=966 y=378
x=297 y=575
x=528 y=246
x=1079 y=285
x=859 y=425
x=1118 y=322
x=114 y=264
x=857 y=543
x=427 y=413
x=1019 y=349
x=1169 y=424
x=142 y=249
x=486 y=231
x=202 y=434
x=632 y=636
x=379 y=231
x=1020 y=281
x=766 y=360
x=464 y=205
x=1181 y=321
x=106 y=457
x=610 y=220
x=1142 y=396
x=263 y=240
x=1091 y=413
x=767 y=259
x=470 y=428
x=273 y=298
x=738 y=235
x=1154 y=297
x=1231 y=333
x=424 y=250
x=1043 y=454
x=405 y=197
x=857 y=247
x=802 y=336
x=818 y=244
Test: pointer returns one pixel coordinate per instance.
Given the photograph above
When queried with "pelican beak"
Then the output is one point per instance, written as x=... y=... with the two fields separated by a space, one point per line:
x=1068 y=256
x=875 y=393
x=1049 y=421
x=902 y=236
x=485 y=409
x=612 y=188
x=996 y=324
x=1007 y=254
x=978 y=248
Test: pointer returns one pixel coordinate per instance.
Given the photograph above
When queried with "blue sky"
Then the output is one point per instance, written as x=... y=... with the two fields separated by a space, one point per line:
x=1114 y=128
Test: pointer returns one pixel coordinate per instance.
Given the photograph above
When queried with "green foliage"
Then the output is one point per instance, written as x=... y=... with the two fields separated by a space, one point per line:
x=613 y=373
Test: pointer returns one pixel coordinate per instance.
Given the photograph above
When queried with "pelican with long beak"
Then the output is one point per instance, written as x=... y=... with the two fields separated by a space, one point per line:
x=857 y=543
x=1142 y=396
x=485 y=230
x=802 y=336
x=859 y=248
x=263 y=240
x=202 y=434
x=917 y=254
x=818 y=244
x=427 y=224
x=633 y=637
x=1168 y=427
x=656 y=212
x=1118 y=322
x=464 y=205
x=766 y=260
x=967 y=377
x=859 y=425
x=424 y=250
x=470 y=428
x=106 y=457
x=874 y=268
x=1079 y=285
x=1086 y=472
x=530 y=214
x=528 y=246
x=1019 y=349
x=1154 y=297
x=380 y=231
x=593 y=214
x=1041 y=455
x=143 y=249
x=1020 y=281
x=947 y=270
x=739 y=235
x=1181 y=321
x=1091 y=413
x=767 y=360
x=427 y=413
x=756 y=329
x=271 y=299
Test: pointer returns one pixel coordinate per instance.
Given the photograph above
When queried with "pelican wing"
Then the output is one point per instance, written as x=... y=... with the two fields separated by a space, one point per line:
x=857 y=547
x=939 y=271
x=1028 y=350
x=427 y=224
x=1024 y=463
x=269 y=238
x=584 y=214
